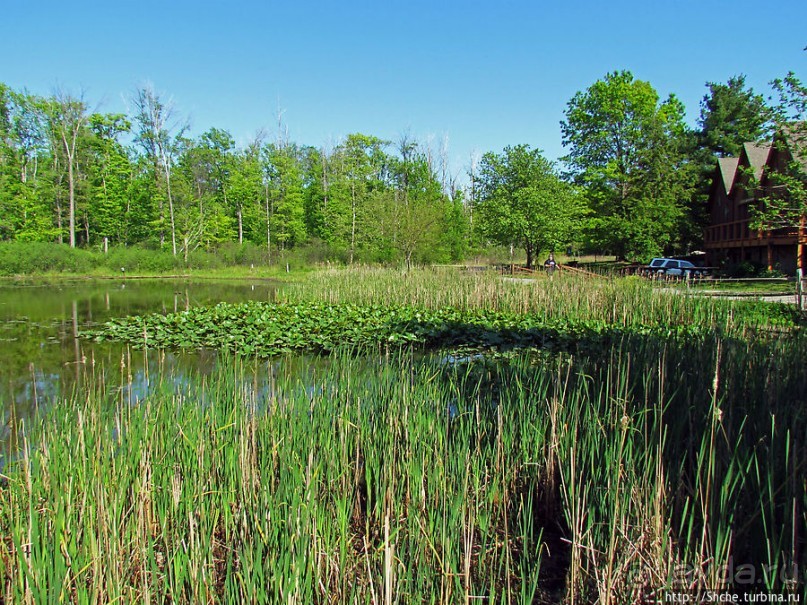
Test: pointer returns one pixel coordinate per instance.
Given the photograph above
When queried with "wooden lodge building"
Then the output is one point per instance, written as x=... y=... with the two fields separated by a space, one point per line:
x=729 y=238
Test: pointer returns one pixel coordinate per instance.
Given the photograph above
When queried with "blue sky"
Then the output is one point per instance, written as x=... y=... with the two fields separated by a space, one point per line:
x=480 y=74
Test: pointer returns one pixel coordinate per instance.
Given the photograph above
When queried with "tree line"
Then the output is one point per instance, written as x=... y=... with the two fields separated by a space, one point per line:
x=633 y=183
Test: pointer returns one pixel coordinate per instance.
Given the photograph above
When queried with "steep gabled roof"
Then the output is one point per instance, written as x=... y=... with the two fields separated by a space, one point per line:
x=757 y=156
x=728 y=170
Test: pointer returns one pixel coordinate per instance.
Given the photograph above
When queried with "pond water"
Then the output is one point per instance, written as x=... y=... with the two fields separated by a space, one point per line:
x=43 y=357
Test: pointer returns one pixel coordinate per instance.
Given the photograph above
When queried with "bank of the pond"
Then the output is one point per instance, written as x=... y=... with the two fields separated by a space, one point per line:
x=244 y=274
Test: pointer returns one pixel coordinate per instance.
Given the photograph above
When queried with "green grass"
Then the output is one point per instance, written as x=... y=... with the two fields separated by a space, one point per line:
x=628 y=301
x=601 y=475
x=27 y=259
x=749 y=287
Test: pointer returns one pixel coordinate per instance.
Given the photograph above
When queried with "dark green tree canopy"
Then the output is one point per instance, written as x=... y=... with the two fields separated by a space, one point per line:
x=731 y=114
x=629 y=151
x=785 y=201
x=522 y=201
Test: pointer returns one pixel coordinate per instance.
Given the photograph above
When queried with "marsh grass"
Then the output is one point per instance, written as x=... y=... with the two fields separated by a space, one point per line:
x=620 y=302
x=521 y=477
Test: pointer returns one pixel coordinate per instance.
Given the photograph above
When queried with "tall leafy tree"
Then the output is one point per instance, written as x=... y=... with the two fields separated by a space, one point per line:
x=627 y=149
x=285 y=189
x=246 y=193
x=523 y=201
x=220 y=147
x=731 y=114
x=33 y=215
x=416 y=210
x=317 y=176
x=12 y=175
x=785 y=199
x=143 y=204
x=457 y=229
x=358 y=166
x=191 y=195
x=158 y=131
x=110 y=173
x=67 y=118
x=206 y=167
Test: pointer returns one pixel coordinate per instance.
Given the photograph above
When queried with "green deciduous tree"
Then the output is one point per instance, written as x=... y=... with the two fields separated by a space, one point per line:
x=67 y=118
x=246 y=194
x=785 y=198
x=357 y=168
x=203 y=208
x=523 y=201
x=285 y=191
x=27 y=196
x=110 y=175
x=416 y=210
x=630 y=153
x=158 y=132
x=318 y=174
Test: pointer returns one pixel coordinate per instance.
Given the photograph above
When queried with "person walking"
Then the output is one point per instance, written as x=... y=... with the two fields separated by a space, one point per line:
x=550 y=265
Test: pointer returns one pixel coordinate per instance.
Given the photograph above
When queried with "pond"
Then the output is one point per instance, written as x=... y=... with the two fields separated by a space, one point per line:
x=658 y=437
x=42 y=356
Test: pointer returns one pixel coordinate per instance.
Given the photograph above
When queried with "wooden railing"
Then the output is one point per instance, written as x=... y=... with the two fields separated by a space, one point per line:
x=513 y=269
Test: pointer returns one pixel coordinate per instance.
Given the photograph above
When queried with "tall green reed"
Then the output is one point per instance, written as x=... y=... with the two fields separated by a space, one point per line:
x=390 y=478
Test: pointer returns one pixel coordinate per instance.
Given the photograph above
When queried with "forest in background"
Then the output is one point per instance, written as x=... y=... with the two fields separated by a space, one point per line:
x=634 y=182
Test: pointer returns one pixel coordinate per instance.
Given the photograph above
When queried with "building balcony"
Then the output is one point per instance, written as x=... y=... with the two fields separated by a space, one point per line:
x=738 y=234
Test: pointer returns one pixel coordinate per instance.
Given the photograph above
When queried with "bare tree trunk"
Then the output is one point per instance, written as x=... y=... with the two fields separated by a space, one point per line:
x=268 y=226
x=324 y=190
x=58 y=200
x=156 y=134
x=170 y=204
x=353 y=222
x=71 y=213
x=160 y=206
x=59 y=224
x=444 y=163
x=67 y=118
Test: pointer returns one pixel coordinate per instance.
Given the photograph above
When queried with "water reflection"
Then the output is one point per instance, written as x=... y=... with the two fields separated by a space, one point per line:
x=142 y=374
x=43 y=357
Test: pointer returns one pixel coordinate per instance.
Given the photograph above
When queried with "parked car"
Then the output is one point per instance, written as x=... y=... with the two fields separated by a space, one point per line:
x=672 y=267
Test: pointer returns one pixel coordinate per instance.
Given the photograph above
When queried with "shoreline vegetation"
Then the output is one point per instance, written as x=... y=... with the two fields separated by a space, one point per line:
x=668 y=456
x=46 y=260
x=32 y=261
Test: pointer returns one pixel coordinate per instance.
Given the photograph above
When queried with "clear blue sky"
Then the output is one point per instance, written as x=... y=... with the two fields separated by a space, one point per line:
x=482 y=74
